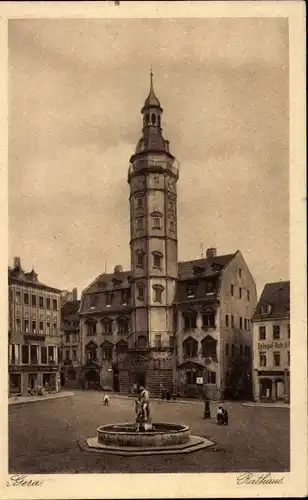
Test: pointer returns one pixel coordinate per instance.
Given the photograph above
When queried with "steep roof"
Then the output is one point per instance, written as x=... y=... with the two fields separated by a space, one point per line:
x=30 y=278
x=206 y=267
x=69 y=311
x=277 y=296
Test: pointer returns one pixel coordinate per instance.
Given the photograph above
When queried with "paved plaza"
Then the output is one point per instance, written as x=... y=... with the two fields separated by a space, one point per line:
x=43 y=437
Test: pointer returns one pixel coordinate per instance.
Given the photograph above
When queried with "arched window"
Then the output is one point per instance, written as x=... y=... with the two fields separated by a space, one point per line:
x=190 y=347
x=153 y=119
x=147 y=118
x=107 y=326
x=209 y=348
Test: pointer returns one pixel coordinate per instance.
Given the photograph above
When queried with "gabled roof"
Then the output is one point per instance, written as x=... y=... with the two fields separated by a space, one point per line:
x=277 y=296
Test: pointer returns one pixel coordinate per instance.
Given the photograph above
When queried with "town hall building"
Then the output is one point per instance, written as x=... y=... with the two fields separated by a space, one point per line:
x=181 y=326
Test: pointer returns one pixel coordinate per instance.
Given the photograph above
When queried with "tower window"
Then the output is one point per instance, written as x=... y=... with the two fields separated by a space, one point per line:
x=158 y=119
x=139 y=202
x=157 y=257
x=156 y=223
x=147 y=118
x=140 y=291
x=140 y=258
x=139 y=224
x=158 y=290
x=232 y=290
x=153 y=118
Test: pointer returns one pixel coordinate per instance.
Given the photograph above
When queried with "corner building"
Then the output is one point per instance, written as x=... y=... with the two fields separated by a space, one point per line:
x=133 y=323
x=34 y=332
x=271 y=344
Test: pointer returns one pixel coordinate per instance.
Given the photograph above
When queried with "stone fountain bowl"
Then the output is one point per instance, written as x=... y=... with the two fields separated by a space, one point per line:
x=122 y=435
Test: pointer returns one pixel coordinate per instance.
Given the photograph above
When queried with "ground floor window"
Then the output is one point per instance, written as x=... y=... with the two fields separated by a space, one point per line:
x=49 y=381
x=211 y=378
x=15 y=382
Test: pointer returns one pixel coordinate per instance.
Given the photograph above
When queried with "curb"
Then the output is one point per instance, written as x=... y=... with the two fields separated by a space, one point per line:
x=267 y=405
x=21 y=401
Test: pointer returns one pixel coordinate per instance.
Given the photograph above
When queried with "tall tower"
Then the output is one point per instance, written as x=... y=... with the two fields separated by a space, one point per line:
x=152 y=177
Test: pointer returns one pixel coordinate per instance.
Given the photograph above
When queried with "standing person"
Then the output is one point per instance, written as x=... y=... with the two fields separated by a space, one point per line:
x=106 y=400
x=220 y=415
x=162 y=391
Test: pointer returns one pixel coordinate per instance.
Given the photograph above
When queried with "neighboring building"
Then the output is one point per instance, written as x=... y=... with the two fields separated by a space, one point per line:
x=216 y=298
x=70 y=342
x=34 y=332
x=186 y=325
x=271 y=343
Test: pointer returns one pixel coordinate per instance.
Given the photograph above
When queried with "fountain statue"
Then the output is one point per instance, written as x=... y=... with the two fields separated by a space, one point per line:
x=143 y=437
x=142 y=410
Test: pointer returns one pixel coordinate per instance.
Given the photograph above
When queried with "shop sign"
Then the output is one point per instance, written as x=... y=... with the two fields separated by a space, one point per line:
x=266 y=346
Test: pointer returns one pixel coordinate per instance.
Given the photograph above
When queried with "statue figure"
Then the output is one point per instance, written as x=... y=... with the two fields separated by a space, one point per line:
x=142 y=409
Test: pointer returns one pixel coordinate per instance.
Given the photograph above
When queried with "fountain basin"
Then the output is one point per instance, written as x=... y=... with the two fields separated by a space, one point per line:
x=161 y=435
x=162 y=439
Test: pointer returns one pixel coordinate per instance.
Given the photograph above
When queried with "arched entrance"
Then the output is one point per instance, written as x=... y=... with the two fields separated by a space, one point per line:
x=266 y=389
x=92 y=380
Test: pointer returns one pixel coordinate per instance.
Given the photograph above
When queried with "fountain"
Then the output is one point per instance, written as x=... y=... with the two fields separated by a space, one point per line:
x=144 y=437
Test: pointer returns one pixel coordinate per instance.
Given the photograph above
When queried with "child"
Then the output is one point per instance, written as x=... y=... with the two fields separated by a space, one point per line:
x=106 y=400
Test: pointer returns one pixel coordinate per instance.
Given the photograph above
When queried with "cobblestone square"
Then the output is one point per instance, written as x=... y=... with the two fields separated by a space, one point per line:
x=43 y=437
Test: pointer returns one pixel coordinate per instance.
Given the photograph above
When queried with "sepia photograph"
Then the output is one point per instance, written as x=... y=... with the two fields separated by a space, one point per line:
x=149 y=287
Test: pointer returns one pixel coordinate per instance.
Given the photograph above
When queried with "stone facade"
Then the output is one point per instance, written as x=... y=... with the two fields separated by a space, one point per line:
x=34 y=333
x=271 y=344
x=70 y=342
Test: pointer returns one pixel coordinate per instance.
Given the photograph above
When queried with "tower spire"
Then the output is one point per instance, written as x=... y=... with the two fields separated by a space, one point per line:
x=151 y=80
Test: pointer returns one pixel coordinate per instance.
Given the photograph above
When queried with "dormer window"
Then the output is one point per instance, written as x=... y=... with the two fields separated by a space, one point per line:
x=266 y=309
x=140 y=258
x=93 y=301
x=108 y=297
x=157 y=258
x=191 y=291
x=124 y=297
x=209 y=290
x=158 y=291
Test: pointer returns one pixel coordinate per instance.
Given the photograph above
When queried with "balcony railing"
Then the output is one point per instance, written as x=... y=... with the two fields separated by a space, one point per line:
x=172 y=166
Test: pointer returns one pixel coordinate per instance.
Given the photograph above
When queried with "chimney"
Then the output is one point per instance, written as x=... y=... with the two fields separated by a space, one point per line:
x=211 y=253
x=17 y=264
x=118 y=269
x=75 y=294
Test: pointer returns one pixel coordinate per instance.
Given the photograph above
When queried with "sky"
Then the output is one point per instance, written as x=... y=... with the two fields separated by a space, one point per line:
x=76 y=88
